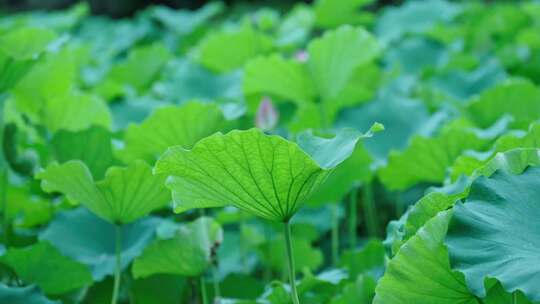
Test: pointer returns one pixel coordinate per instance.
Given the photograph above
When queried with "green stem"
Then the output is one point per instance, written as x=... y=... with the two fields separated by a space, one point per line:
x=322 y=112
x=514 y=297
x=370 y=212
x=335 y=234
x=202 y=281
x=3 y=198
x=118 y=269
x=215 y=279
x=267 y=274
x=399 y=207
x=204 y=293
x=242 y=241
x=353 y=222
x=290 y=264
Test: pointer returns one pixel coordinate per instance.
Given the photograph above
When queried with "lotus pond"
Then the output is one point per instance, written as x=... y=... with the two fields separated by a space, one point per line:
x=340 y=152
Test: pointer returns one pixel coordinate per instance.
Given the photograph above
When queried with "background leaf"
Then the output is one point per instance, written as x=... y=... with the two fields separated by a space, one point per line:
x=125 y=194
x=25 y=42
x=226 y=50
x=23 y=295
x=171 y=126
x=47 y=267
x=334 y=57
x=93 y=146
x=189 y=252
x=88 y=239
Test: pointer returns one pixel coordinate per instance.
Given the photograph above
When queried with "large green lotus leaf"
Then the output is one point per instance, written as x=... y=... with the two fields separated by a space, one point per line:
x=226 y=50
x=353 y=171
x=267 y=176
x=420 y=272
x=399 y=231
x=330 y=152
x=25 y=42
x=467 y=163
x=414 y=17
x=275 y=75
x=425 y=209
x=334 y=57
x=426 y=159
x=45 y=266
x=189 y=252
x=90 y=240
x=333 y=13
x=518 y=98
x=185 y=22
x=141 y=67
x=495 y=233
x=472 y=161
x=93 y=146
x=171 y=126
x=23 y=295
x=513 y=161
x=124 y=195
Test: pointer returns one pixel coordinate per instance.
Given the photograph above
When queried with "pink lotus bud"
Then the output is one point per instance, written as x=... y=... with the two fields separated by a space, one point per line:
x=301 y=56
x=267 y=116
